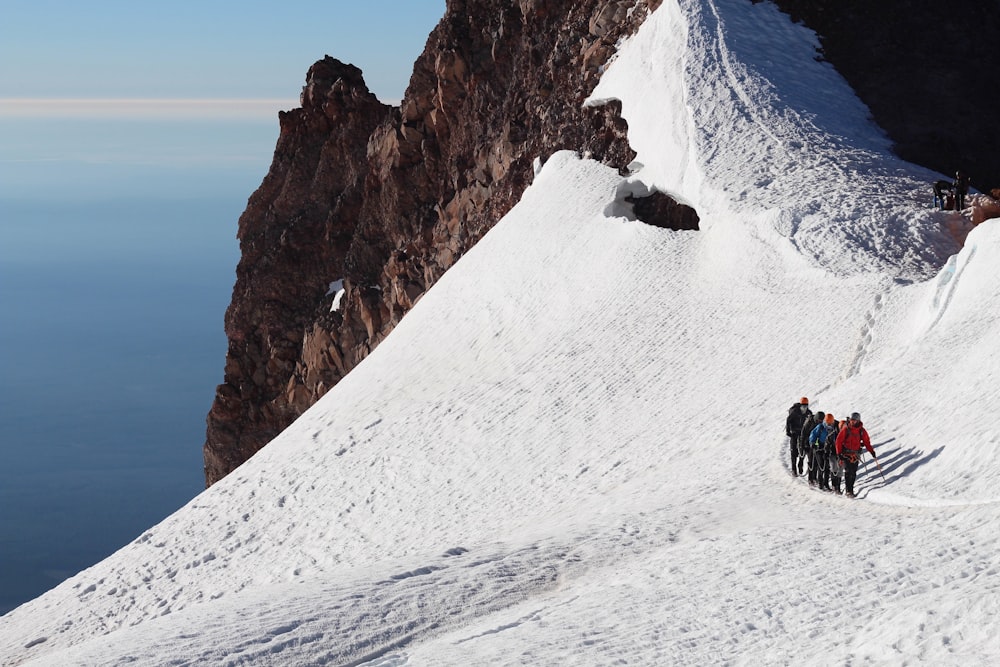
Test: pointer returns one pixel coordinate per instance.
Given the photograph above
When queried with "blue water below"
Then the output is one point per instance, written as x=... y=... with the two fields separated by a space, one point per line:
x=111 y=345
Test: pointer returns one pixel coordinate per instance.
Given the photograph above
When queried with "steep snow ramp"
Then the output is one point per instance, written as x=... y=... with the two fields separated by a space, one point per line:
x=571 y=450
x=925 y=361
x=620 y=457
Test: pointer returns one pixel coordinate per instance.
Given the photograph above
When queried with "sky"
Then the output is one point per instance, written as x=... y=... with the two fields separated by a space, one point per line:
x=212 y=49
x=580 y=458
x=109 y=98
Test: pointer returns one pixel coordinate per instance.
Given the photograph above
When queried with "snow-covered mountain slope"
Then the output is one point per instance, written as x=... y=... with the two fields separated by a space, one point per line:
x=572 y=450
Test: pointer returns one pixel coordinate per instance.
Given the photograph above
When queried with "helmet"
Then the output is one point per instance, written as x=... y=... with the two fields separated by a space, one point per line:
x=855 y=416
x=819 y=415
x=804 y=401
x=829 y=419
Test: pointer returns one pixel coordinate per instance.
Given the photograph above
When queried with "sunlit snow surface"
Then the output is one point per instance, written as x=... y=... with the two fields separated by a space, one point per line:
x=572 y=450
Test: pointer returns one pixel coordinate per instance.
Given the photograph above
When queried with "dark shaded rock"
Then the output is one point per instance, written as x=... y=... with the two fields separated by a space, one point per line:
x=926 y=69
x=661 y=210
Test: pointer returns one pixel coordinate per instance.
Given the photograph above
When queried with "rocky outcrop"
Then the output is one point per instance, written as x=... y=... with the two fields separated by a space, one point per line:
x=985 y=207
x=926 y=69
x=294 y=235
x=662 y=210
x=387 y=199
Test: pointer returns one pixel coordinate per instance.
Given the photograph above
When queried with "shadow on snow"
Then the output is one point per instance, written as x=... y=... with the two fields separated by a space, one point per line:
x=896 y=464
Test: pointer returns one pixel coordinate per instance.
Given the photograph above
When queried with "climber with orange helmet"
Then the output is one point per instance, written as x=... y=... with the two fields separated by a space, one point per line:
x=817 y=451
x=849 y=442
x=797 y=416
x=834 y=465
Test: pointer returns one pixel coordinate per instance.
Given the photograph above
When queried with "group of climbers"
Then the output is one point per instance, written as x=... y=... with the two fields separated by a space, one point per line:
x=825 y=449
x=959 y=195
x=950 y=195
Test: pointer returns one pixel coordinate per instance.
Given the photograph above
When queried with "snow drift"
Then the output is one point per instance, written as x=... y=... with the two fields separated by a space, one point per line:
x=572 y=449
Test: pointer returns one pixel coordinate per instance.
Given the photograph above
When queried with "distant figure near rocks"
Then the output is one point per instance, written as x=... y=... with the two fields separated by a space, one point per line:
x=961 y=190
x=943 y=195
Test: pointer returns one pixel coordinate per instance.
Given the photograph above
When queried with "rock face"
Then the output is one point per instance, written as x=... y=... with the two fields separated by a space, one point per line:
x=387 y=199
x=926 y=69
x=294 y=236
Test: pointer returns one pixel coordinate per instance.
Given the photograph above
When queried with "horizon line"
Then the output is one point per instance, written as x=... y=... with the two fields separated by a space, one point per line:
x=177 y=108
x=162 y=108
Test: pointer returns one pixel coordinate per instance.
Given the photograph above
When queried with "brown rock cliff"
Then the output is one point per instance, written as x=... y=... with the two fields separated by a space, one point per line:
x=294 y=235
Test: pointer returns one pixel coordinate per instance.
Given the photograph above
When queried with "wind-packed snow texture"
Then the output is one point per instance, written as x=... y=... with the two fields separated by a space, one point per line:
x=572 y=450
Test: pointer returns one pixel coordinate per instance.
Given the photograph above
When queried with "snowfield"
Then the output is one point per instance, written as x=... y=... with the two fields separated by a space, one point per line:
x=572 y=450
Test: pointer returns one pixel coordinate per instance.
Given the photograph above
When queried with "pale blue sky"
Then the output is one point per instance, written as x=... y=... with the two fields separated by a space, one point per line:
x=76 y=79
x=203 y=48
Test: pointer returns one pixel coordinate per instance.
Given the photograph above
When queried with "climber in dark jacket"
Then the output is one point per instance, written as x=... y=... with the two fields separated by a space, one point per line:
x=805 y=453
x=943 y=190
x=797 y=415
x=961 y=190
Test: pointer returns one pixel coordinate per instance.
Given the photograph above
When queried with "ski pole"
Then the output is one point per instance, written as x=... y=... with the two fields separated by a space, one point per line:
x=875 y=458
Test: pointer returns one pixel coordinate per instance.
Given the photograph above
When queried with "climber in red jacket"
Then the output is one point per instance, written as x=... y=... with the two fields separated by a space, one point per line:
x=849 y=442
